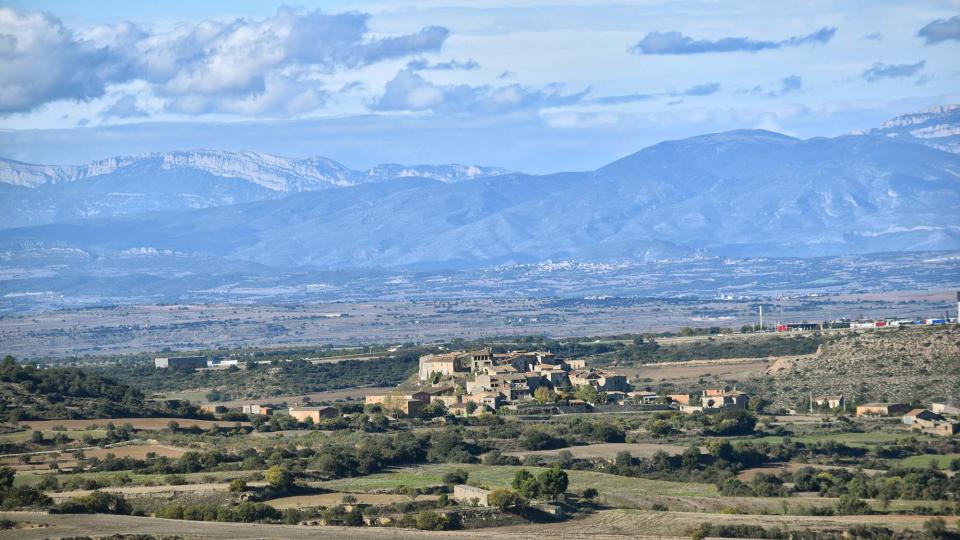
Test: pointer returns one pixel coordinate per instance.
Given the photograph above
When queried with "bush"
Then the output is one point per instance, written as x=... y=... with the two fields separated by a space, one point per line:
x=238 y=485
x=458 y=476
x=279 y=477
x=432 y=521
x=538 y=439
x=98 y=502
x=851 y=505
x=504 y=498
x=23 y=497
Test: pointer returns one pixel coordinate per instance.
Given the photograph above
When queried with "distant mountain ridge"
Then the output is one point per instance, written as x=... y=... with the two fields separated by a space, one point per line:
x=39 y=194
x=269 y=171
x=741 y=193
x=938 y=127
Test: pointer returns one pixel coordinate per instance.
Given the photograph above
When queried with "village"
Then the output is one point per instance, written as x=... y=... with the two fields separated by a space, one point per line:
x=478 y=382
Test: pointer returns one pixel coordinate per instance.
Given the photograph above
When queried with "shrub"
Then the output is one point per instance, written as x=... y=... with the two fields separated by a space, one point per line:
x=237 y=485
x=279 y=477
x=504 y=498
x=458 y=476
x=98 y=502
x=432 y=521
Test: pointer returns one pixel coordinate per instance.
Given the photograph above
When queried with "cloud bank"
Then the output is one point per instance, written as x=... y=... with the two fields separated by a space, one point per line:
x=409 y=91
x=940 y=30
x=880 y=71
x=677 y=43
x=267 y=66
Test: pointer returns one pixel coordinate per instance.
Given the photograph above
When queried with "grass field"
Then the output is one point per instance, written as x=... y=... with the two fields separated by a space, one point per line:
x=32 y=478
x=333 y=499
x=607 y=485
x=943 y=462
x=852 y=439
x=607 y=450
x=75 y=434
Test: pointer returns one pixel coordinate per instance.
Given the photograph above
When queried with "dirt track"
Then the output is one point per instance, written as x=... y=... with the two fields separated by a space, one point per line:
x=607 y=450
x=137 y=423
x=604 y=525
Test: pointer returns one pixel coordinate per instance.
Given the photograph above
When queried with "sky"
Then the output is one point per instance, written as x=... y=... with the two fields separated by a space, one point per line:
x=530 y=86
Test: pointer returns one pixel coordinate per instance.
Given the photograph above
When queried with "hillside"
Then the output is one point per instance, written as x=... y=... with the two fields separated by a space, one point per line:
x=741 y=193
x=30 y=393
x=904 y=365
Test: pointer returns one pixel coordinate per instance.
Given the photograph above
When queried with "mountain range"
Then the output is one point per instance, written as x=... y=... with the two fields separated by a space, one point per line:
x=39 y=194
x=739 y=193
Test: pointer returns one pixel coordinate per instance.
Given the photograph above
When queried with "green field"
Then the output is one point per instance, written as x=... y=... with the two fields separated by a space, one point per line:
x=943 y=462
x=32 y=478
x=609 y=486
x=75 y=434
x=852 y=439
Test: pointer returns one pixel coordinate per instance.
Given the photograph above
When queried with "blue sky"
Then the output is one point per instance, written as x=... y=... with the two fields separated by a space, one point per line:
x=533 y=86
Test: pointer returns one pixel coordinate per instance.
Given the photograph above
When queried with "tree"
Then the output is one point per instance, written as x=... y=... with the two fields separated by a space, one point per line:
x=590 y=493
x=526 y=484
x=553 y=482
x=590 y=394
x=504 y=498
x=852 y=505
x=690 y=457
x=935 y=528
x=237 y=485
x=542 y=394
x=470 y=407
x=6 y=476
x=279 y=477
x=36 y=437
x=458 y=476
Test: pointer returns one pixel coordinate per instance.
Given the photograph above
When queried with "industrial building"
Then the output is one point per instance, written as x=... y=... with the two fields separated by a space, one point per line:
x=180 y=362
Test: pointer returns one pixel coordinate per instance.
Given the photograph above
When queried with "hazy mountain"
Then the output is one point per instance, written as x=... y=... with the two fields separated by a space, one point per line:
x=746 y=193
x=38 y=194
x=938 y=127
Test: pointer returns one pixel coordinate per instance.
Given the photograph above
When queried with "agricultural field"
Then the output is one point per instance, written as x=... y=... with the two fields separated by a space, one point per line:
x=630 y=472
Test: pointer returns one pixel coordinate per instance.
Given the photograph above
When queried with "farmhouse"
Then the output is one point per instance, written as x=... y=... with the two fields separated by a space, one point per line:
x=602 y=380
x=830 y=402
x=881 y=409
x=302 y=414
x=264 y=410
x=940 y=428
x=721 y=399
x=180 y=362
x=943 y=408
x=920 y=414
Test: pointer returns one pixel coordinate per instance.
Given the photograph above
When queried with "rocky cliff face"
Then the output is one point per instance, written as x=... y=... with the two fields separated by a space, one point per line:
x=938 y=127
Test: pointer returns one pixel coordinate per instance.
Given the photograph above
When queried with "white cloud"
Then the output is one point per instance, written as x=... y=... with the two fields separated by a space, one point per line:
x=408 y=91
x=266 y=66
x=41 y=60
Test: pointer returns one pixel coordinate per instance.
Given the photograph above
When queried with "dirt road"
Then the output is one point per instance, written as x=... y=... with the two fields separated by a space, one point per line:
x=603 y=525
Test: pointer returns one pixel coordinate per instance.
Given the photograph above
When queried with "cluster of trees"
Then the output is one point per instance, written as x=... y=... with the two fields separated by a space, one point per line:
x=13 y=497
x=850 y=486
x=725 y=424
x=31 y=393
x=646 y=351
x=98 y=502
x=913 y=484
x=244 y=512
x=568 y=432
x=551 y=483
x=295 y=376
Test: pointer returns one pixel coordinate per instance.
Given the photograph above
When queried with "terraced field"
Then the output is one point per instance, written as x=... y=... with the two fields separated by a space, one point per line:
x=631 y=491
